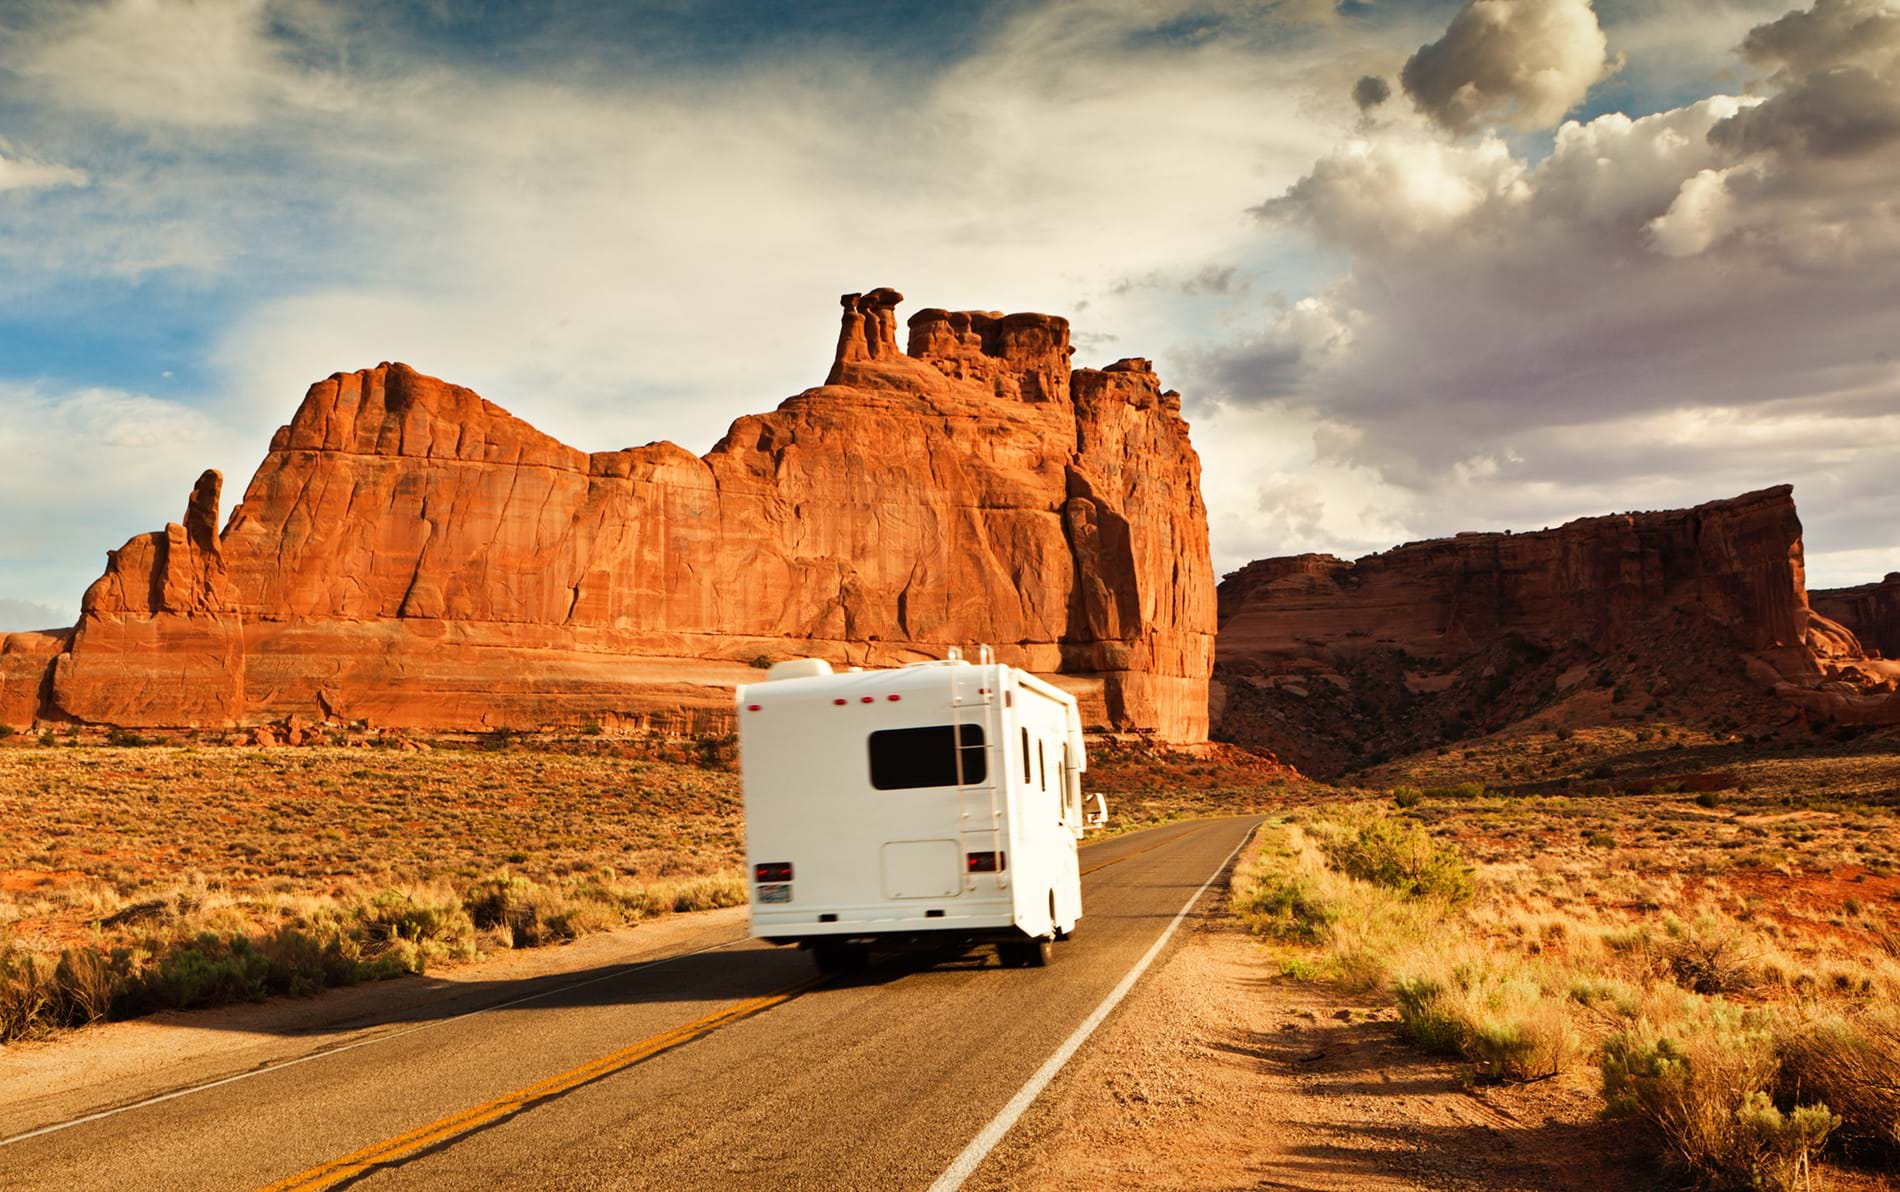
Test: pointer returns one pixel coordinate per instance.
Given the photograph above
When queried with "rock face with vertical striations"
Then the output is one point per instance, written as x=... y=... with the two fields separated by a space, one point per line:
x=1870 y=611
x=1696 y=614
x=412 y=554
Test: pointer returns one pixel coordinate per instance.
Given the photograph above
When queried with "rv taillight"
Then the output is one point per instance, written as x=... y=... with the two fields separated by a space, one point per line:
x=752 y=707
x=773 y=871
x=986 y=862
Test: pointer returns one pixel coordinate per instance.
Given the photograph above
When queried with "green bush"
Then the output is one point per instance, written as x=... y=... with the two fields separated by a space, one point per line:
x=1406 y=797
x=1402 y=856
x=209 y=970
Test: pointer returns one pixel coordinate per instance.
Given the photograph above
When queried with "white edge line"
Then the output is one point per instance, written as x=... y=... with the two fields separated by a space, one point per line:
x=964 y=1165
x=175 y=1094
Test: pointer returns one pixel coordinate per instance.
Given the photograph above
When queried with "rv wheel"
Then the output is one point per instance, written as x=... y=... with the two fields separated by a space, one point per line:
x=839 y=959
x=1026 y=954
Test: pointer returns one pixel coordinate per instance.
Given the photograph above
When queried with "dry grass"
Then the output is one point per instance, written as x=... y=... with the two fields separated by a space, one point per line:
x=138 y=878
x=1728 y=957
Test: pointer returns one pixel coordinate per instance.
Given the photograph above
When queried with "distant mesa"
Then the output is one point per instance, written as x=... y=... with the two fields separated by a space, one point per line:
x=1697 y=616
x=412 y=555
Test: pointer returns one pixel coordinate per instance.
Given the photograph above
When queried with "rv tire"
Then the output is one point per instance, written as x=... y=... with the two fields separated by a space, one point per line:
x=1024 y=953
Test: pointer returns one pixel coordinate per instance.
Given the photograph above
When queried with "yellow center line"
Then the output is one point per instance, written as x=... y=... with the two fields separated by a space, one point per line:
x=390 y=1150
x=1125 y=856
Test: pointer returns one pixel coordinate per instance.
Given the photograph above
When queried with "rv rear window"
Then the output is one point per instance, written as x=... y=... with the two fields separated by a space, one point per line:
x=907 y=758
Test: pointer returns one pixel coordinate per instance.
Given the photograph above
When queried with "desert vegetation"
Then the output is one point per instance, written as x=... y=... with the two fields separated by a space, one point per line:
x=1720 y=966
x=138 y=876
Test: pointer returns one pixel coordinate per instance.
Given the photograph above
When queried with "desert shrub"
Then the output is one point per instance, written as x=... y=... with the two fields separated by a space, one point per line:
x=86 y=985
x=1708 y=799
x=1706 y=955
x=1490 y=1010
x=417 y=928
x=1401 y=856
x=1852 y=1063
x=1597 y=991
x=1599 y=840
x=1459 y=790
x=1701 y=1085
x=1406 y=797
x=762 y=662
x=1283 y=905
x=126 y=738
x=497 y=900
x=206 y=970
x=26 y=991
x=7 y=730
x=592 y=728
x=305 y=959
x=710 y=893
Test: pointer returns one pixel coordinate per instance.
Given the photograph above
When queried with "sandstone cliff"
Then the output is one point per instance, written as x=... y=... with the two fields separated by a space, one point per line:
x=411 y=554
x=1870 y=611
x=1698 y=614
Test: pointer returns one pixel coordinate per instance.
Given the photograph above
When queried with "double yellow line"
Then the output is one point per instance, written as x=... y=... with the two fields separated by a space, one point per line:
x=402 y=1146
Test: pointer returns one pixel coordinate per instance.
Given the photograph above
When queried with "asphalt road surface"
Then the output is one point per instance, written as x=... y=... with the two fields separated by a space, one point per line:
x=731 y=1066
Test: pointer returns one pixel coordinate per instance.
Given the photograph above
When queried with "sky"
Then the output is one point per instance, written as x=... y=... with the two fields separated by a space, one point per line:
x=1416 y=268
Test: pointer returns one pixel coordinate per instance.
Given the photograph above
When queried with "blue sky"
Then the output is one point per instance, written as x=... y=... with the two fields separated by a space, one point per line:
x=627 y=222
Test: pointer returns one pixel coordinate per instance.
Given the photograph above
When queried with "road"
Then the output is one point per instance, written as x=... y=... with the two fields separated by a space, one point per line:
x=729 y=1066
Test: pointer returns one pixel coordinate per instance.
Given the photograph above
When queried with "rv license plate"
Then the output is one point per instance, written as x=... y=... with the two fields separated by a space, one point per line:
x=775 y=892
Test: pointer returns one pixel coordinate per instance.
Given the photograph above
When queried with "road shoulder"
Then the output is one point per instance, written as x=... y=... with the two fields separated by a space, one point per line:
x=1218 y=1073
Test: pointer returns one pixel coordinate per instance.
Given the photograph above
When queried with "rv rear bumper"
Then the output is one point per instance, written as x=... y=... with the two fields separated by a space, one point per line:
x=779 y=927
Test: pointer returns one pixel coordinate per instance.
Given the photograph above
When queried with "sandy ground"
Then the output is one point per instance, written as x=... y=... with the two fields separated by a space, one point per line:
x=1215 y=1073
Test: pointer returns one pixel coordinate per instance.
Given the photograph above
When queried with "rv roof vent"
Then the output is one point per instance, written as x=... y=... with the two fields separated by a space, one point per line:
x=798 y=668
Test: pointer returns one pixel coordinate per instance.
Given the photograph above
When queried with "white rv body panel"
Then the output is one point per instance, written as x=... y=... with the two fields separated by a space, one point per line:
x=852 y=781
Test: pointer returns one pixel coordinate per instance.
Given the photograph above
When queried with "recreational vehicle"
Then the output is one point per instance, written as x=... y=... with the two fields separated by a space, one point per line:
x=936 y=803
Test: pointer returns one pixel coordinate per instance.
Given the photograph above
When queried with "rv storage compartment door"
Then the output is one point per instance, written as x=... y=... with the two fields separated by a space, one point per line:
x=922 y=869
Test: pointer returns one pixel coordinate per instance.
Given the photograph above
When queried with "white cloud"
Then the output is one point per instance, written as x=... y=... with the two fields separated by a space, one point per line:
x=1519 y=62
x=23 y=173
x=1659 y=312
x=87 y=469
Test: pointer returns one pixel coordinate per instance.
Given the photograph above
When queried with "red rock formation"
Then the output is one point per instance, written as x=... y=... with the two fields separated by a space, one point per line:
x=411 y=554
x=1328 y=662
x=1870 y=611
x=159 y=631
x=25 y=662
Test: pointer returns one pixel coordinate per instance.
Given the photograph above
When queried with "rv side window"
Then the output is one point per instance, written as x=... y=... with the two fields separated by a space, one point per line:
x=908 y=758
x=1042 y=765
x=1025 y=757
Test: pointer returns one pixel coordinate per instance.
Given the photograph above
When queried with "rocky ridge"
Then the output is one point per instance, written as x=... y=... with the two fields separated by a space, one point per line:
x=410 y=554
x=1870 y=611
x=1699 y=615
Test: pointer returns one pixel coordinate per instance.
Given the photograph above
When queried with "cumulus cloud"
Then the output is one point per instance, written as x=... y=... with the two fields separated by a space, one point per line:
x=1661 y=310
x=1521 y=62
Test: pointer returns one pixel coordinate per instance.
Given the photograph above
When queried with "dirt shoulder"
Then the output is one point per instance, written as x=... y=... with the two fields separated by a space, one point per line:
x=1217 y=1073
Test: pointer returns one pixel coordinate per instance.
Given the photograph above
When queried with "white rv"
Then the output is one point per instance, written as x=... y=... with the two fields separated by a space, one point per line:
x=939 y=802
